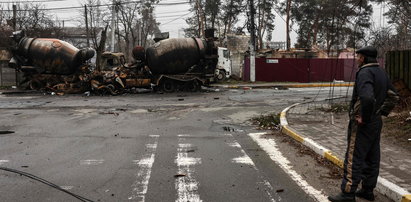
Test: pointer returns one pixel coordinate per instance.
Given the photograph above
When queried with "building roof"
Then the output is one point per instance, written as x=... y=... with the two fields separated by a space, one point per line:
x=77 y=32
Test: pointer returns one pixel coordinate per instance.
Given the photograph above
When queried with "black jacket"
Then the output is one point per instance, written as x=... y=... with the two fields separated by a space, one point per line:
x=370 y=92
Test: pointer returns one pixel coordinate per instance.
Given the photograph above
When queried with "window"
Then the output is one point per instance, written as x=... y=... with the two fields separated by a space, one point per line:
x=226 y=53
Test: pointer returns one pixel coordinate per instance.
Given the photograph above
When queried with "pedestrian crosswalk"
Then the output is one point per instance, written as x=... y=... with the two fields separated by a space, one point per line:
x=191 y=165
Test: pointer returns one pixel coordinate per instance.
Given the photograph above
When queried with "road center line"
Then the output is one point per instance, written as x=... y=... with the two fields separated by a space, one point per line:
x=92 y=162
x=140 y=186
x=270 y=147
x=187 y=186
x=3 y=162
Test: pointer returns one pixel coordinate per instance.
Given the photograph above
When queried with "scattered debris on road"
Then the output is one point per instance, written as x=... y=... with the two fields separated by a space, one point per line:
x=5 y=132
x=179 y=175
x=267 y=122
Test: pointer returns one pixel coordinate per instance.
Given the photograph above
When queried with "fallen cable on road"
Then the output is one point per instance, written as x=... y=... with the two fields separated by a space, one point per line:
x=45 y=182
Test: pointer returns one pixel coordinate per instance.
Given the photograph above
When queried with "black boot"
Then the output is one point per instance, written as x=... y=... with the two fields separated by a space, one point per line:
x=342 y=197
x=365 y=194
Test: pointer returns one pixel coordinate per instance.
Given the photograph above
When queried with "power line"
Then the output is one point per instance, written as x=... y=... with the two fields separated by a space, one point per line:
x=177 y=18
x=169 y=16
x=101 y=5
x=172 y=12
x=33 y=1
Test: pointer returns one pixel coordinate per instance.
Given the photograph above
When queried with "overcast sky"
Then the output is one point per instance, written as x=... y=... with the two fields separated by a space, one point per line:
x=171 y=17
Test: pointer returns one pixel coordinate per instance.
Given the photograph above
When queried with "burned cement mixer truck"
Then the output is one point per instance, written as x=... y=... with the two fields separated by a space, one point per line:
x=177 y=64
x=47 y=63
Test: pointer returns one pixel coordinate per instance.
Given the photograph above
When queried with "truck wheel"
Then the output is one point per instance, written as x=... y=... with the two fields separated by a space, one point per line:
x=193 y=86
x=168 y=86
x=221 y=75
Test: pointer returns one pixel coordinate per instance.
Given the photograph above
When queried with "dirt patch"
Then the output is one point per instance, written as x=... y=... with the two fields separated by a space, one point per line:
x=397 y=130
x=316 y=170
x=334 y=172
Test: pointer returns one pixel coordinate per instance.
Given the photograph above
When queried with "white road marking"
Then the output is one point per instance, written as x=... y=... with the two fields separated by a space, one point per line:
x=183 y=135
x=138 y=111
x=245 y=159
x=270 y=147
x=187 y=186
x=67 y=187
x=91 y=162
x=140 y=186
x=3 y=162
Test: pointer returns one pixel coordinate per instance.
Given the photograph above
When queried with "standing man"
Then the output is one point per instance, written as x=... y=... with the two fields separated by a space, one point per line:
x=373 y=96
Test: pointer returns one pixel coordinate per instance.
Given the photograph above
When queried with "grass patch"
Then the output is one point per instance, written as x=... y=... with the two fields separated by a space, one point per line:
x=267 y=122
x=397 y=129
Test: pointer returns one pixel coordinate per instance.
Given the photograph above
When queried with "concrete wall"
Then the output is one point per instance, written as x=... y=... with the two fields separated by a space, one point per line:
x=7 y=75
x=238 y=46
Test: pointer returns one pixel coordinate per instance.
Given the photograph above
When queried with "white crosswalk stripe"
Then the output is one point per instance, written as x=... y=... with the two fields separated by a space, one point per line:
x=145 y=164
x=270 y=147
x=187 y=185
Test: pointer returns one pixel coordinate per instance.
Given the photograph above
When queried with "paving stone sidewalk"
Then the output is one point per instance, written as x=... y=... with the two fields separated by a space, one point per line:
x=395 y=160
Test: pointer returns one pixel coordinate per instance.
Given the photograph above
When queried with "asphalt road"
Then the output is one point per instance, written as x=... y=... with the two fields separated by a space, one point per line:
x=146 y=147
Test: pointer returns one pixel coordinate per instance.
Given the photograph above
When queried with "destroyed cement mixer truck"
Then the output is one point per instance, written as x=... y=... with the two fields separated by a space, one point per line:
x=169 y=65
x=179 y=63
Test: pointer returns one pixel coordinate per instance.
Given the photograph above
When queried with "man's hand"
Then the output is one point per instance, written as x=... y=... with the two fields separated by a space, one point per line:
x=358 y=118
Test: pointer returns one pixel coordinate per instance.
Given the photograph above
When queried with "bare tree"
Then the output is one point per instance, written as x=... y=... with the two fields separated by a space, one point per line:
x=30 y=17
x=136 y=23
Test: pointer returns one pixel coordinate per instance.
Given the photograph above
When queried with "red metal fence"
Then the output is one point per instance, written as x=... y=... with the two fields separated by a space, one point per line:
x=301 y=70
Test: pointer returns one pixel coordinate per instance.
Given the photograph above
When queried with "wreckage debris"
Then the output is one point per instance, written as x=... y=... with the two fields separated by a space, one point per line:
x=5 y=132
x=55 y=66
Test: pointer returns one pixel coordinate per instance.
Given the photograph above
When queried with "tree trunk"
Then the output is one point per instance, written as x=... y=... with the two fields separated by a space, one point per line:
x=101 y=48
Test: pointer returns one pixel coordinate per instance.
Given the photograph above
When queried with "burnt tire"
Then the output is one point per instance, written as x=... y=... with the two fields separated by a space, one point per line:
x=193 y=86
x=220 y=76
x=168 y=86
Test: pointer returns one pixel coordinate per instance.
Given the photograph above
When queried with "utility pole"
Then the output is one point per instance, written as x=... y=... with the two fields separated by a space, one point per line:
x=14 y=17
x=252 y=42
x=85 y=14
x=113 y=25
x=288 y=10
x=14 y=29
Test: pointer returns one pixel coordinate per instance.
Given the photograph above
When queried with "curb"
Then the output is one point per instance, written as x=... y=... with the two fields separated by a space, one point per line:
x=384 y=186
x=285 y=85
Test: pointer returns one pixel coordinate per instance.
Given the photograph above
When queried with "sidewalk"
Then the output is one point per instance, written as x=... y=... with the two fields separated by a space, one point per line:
x=395 y=160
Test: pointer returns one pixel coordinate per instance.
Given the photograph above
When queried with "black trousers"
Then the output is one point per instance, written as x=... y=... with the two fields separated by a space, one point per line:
x=362 y=158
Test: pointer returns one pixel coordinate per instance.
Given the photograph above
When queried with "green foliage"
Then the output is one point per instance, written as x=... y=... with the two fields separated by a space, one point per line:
x=265 y=20
x=330 y=23
x=399 y=19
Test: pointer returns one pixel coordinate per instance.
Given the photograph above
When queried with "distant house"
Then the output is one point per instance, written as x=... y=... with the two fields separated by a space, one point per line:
x=78 y=36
